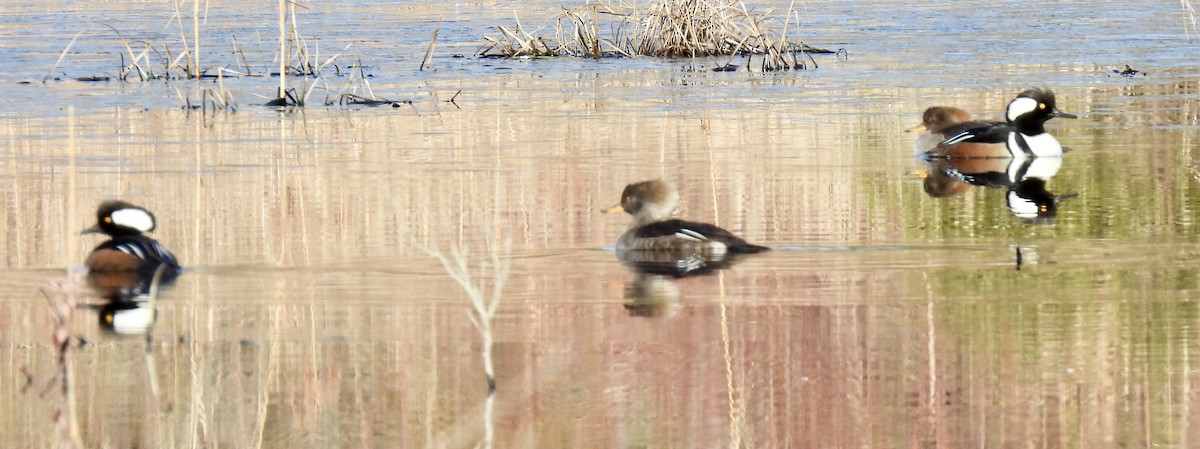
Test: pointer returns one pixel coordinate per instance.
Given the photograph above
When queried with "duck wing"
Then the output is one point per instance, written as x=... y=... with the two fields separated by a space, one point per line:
x=697 y=232
x=149 y=251
x=977 y=131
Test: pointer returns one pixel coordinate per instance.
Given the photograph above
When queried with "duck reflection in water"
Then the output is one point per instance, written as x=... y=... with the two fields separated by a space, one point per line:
x=1024 y=179
x=125 y=268
x=651 y=296
x=127 y=317
x=657 y=248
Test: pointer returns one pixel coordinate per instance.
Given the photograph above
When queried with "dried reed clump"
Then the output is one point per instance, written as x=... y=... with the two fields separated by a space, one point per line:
x=661 y=28
x=177 y=56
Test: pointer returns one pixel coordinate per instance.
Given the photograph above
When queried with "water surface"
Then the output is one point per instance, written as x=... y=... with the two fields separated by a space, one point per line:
x=311 y=313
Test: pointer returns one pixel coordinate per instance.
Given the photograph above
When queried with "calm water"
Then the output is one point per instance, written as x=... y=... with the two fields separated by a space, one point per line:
x=312 y=314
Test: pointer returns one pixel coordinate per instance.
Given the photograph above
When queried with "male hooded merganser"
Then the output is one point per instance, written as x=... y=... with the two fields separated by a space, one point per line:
x=1023 y=135
x=122 y=267
x=934 y=122
x=650 y=202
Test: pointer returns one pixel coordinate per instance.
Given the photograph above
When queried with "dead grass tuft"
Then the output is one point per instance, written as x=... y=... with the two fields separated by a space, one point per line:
x=661 y=28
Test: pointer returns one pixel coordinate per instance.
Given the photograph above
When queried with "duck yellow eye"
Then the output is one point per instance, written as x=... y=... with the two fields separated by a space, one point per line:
x=108 y=219
x=1041 y=105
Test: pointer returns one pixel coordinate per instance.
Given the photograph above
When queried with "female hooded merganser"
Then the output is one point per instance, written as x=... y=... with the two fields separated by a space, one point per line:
x=650 y=202
x=1024 y=134
x=934 y=121
x=123 y=267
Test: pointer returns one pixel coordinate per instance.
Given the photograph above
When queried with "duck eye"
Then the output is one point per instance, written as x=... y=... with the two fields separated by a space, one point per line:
x=108 y=219
x=1041 y=105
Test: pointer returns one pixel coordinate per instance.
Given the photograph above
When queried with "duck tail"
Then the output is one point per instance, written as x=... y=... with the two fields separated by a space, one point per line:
x=748 y=248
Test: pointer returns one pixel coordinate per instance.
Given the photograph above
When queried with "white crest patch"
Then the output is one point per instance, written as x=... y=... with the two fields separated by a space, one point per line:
x=133 y=218
x=1019 y=107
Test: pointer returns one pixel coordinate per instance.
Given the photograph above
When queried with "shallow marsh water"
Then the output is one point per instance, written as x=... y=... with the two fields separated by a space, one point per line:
x=310 y=314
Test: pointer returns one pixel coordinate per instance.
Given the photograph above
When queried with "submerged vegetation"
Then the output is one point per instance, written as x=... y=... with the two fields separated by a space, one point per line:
x=662 y=28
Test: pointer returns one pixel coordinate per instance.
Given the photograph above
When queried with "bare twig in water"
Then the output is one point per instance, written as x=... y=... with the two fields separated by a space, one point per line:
x=279 y=96
x=1191 y=13
x=425 y=62
x=196 y=37
x=61 y=56
x=484 y=301
x=63 y=296
x=241 y=55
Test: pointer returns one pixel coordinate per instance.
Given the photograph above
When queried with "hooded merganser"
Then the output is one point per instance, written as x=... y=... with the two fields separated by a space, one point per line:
x=123 y=267
x=650 y=202
x=934 y=122
x=1023 y=135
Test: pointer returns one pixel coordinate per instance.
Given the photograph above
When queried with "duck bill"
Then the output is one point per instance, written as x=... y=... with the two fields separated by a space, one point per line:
x=1061 y=114
x=95 y=229
x=613 y=210
x=916 y=129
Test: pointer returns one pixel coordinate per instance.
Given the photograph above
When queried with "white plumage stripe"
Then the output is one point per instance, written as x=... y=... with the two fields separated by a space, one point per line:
x=689 y=234
x=958 y=138
x=132 y=249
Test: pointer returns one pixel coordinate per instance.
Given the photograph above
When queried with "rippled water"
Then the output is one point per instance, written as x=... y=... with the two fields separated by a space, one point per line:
x=312 y=314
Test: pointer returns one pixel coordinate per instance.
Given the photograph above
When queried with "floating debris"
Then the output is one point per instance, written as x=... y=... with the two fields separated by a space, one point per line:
x=1129 y=72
